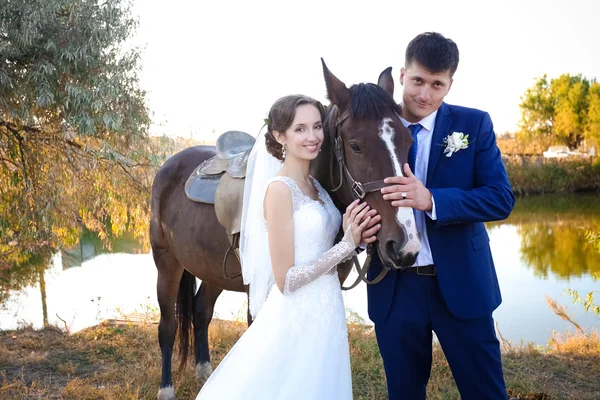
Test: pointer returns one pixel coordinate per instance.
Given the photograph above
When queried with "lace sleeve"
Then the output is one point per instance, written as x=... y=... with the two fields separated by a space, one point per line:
x=299 y=275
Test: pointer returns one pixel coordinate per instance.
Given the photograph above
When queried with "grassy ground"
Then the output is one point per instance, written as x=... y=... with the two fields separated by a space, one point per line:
x=107 y=362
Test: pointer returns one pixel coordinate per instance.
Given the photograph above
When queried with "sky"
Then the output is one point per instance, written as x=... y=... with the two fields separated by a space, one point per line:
x=214 y=66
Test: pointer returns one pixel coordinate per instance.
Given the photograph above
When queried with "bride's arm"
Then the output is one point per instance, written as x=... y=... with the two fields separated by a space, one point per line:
x=279 y=214
x=300 y=275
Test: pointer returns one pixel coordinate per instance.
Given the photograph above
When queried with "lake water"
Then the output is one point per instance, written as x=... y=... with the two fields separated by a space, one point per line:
x=539 y=251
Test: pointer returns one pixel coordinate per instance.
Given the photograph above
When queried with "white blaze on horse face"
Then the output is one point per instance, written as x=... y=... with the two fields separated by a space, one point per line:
x=404 y=215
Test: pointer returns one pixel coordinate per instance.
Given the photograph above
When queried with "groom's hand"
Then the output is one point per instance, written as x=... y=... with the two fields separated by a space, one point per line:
x=407 y=191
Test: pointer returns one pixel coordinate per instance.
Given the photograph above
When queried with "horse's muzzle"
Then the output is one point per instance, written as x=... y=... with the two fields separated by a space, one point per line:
x=396 y=256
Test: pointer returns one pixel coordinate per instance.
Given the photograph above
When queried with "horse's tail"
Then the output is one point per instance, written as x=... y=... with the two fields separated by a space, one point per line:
x=185 y=316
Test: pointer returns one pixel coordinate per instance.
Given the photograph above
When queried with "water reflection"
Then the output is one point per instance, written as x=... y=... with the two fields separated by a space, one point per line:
x=22 y=276
x=90 y=246
x=33 y=272
x=552 y=234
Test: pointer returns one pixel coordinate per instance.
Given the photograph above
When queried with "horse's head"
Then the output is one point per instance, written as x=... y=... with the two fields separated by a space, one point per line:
x=365 y=142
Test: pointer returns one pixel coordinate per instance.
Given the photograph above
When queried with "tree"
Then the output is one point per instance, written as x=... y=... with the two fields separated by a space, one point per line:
x=592 y=127
x=537 y=112
x=565 y=110
x=570 y=107
x=74 y=149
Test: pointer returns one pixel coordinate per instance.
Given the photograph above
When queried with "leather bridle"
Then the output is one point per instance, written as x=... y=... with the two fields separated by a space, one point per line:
x=358 y=190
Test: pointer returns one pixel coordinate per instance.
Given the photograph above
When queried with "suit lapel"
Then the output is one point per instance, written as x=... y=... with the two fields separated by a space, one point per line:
x=441 y=129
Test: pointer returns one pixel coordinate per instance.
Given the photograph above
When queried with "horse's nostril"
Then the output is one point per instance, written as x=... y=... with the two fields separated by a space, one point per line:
x=392 y=248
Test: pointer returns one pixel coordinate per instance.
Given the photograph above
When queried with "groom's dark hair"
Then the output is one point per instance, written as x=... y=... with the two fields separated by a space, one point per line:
x=434 y=52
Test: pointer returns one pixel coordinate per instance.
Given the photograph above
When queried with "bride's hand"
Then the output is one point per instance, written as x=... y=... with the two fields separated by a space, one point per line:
x=356 y=220
x=369 y=235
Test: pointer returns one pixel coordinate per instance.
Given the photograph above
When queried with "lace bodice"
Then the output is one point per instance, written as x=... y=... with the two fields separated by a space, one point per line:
x=316 y=223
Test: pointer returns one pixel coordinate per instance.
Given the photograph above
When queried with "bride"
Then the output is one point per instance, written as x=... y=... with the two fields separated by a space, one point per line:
x=297 y=346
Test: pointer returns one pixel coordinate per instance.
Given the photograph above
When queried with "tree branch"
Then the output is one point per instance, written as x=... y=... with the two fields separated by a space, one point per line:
x=133 y=178
x=12 y=128
x=6 y=160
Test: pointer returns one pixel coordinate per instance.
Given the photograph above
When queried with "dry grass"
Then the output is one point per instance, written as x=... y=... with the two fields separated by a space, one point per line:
x=107 y=362
x=567 y=368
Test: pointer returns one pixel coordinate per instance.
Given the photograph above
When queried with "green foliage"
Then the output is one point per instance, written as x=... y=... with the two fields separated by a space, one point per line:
x=588 y=302
x=565 y=110
x=534 y=175
x=593 y=239
x=74 y=150
x=64 y=64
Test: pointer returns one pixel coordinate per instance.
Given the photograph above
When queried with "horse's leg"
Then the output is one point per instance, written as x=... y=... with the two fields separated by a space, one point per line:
x=169 y=276
x=204 y=302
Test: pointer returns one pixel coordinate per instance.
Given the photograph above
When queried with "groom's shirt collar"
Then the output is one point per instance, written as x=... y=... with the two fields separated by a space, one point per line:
x=428 y=122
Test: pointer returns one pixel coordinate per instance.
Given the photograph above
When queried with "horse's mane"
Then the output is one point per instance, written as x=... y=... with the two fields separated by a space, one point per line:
x=367 y=102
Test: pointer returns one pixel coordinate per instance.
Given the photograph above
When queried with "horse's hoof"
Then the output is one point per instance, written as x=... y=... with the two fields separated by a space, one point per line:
x=203 y=371
x=166 y=393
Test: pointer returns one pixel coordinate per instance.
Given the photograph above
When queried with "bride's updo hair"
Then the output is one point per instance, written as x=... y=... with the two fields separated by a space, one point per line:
x=282 y=115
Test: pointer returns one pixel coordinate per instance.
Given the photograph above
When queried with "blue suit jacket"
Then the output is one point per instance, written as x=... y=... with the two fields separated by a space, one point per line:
x=469 y=188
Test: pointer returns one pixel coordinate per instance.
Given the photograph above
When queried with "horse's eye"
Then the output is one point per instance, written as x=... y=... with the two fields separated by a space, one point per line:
x=355 y=147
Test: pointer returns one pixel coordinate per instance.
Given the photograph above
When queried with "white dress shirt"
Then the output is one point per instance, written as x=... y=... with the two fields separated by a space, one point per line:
x=421 y=164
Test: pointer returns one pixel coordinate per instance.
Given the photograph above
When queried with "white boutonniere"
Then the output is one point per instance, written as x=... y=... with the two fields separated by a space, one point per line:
x=454 y=142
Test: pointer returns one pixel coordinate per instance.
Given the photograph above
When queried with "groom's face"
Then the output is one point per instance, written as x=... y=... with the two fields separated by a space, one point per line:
x=423 y=91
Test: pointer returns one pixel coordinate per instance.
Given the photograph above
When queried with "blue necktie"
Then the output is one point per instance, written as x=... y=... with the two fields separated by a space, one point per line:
x=412 y=152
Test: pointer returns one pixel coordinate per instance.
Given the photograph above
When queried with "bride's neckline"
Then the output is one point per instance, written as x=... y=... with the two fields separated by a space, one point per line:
x=319 y=199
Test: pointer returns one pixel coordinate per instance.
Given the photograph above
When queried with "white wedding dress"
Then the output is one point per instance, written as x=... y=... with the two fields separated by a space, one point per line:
x=297 y=347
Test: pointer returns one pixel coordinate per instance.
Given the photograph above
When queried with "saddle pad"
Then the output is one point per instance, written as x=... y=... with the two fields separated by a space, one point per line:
x=202 y=188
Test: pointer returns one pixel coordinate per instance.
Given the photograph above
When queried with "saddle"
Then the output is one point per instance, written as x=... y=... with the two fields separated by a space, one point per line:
x=233 y=149
x=220 y=181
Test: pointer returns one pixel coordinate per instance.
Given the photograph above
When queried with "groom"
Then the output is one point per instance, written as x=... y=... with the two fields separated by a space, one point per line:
x=454 y=181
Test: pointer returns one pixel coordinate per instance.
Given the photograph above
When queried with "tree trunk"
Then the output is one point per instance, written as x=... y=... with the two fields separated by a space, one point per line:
x=43 y=293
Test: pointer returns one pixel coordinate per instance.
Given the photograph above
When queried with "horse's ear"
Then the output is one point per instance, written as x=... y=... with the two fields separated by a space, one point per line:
x=386 y=81
x=337 y=92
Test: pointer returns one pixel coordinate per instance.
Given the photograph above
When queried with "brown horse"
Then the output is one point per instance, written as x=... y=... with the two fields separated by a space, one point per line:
x=188 y=241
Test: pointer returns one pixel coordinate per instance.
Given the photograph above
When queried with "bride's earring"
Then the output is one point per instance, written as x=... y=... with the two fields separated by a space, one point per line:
x=283 y=151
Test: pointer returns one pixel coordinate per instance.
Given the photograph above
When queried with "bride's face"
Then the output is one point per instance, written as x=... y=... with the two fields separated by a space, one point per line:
x=303 y=139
